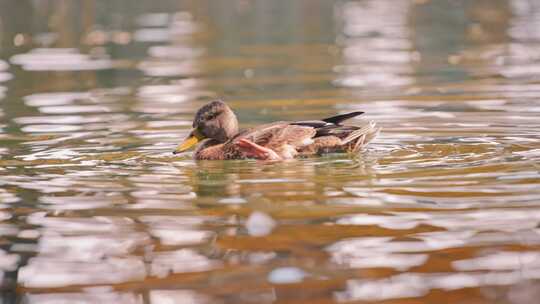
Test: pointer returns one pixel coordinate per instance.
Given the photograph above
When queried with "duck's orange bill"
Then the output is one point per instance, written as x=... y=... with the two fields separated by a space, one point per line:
x=193 y=138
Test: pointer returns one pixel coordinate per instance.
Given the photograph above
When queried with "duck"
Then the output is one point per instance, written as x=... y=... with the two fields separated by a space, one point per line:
x=216 y=136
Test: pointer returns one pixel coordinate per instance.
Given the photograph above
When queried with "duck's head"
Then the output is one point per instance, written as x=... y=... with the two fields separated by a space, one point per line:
x=214 y=120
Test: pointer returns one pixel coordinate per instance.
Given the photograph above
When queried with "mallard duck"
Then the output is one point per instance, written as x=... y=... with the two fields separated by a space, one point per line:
x=215 y=130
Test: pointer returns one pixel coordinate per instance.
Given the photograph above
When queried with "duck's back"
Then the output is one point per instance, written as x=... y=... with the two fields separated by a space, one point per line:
x=289 y=139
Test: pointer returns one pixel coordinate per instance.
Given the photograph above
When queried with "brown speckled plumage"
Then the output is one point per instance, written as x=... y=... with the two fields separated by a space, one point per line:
x=218 y=126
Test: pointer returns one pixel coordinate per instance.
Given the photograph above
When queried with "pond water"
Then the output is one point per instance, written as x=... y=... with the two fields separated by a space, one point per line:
x=443 y=207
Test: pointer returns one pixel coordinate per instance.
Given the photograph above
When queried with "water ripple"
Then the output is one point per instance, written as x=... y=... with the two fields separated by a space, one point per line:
x=442 y=204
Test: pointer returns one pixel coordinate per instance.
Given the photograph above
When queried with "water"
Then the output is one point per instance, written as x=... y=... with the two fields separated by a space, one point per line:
x=444 y=206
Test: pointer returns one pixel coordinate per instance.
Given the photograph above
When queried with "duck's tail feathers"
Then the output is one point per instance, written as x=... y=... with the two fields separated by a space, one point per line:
x=361 y=137
x=341 y=118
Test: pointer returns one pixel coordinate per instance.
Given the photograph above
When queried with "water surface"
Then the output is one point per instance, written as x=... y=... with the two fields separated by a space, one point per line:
x=444 y=206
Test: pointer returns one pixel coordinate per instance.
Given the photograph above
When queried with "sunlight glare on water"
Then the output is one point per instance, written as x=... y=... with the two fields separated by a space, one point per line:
x=444 y=205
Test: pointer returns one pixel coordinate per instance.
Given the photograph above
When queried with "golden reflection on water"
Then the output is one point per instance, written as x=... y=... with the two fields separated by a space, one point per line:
x=442 y=206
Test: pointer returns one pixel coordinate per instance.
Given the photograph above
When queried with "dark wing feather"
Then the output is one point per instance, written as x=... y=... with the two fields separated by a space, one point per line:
x=334 y=120
x=341 y=118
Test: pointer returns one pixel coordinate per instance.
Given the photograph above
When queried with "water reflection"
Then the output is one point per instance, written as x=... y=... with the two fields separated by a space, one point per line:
x=59 y=60
x=4 y=76
x=377 y=51
x=86 y=297
x=94 y=207
x=177 y=58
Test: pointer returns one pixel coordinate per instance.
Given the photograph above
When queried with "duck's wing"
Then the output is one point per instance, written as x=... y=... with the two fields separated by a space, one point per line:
x=281 y=133
x=295 y=132
x=306 y=137
x=280 y=138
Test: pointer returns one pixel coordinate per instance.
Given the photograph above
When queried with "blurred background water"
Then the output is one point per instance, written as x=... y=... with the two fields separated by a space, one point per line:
x=444 y=206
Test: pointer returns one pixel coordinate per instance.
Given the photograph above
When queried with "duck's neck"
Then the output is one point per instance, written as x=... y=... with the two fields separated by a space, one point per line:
x=209 y=149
